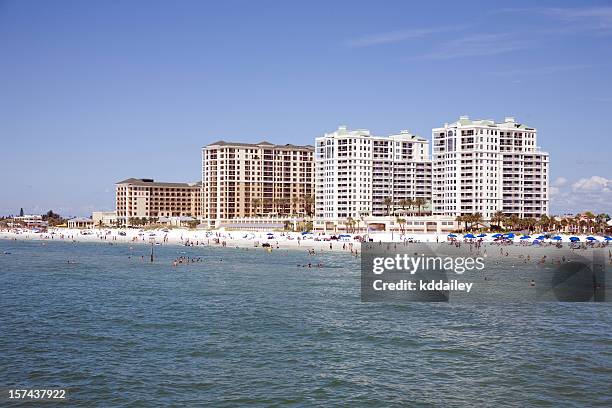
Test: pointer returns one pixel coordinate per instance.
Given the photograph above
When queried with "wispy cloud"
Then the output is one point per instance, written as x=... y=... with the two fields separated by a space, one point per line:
x=475 y=45
x=548 y=70
x=398 y=36
x=598 y=18
x=591 y=18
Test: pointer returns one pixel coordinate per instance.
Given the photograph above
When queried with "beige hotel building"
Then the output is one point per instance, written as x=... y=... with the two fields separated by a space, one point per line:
x=242 y=180
x=150 y=199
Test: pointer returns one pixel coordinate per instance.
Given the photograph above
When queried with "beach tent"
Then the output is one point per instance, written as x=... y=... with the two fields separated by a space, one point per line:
x=574 y=239
x=470 y=236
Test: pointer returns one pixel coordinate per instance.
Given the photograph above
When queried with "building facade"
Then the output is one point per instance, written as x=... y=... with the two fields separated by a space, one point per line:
x=242 y=180
x=146 y=198
x=356 y=172
x=482 y=166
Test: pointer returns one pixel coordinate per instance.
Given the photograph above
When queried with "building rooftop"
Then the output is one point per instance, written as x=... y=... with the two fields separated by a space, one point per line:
x=263 y=143
x=508 y=123
x=152 y=183
x=402 y=135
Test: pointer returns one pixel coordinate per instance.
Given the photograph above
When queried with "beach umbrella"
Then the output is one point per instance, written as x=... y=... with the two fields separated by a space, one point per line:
x=509 y=235
x=452 y=236
x=470 y=236
x=269 y=233
x=556 y=238
x=536 y=242
x=541 y=237
x=591 y=239
x=608 y=238
x=574 y=239
x=482 y=235
x=525 y=237
x=497 y=235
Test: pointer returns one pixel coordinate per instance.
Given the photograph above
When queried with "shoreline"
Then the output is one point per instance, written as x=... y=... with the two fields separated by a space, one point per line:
x=317 y=242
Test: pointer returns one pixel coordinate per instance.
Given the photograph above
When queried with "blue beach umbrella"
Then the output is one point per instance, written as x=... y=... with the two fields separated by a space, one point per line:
x=509 y=235
x=452 y=236
x=591 y=239
x=525 y=237
x=608 y=238
x=482 y=235
x=574 y=239
x=556 y=238
x=497 y=235
x=536 y=242
x=470 y=236
x=541 y=237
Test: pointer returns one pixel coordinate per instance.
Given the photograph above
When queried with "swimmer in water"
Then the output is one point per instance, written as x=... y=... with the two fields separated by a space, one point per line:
x=532 y=283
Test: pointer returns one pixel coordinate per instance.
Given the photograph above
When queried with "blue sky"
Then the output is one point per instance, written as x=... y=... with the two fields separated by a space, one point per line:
x=96 y=92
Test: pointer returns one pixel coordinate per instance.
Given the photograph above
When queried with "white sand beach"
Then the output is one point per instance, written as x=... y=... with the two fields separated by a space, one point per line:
x=247 y=239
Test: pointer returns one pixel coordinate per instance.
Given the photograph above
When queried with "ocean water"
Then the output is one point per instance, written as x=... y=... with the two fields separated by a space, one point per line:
x=248 y=327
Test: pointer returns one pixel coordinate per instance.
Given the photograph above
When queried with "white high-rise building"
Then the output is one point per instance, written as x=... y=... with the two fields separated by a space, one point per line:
x=355 y=171
x=480 y=166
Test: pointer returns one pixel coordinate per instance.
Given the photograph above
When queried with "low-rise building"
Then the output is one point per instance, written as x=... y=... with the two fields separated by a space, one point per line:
x=104 y=218
x=79 y=222
x=146 y=198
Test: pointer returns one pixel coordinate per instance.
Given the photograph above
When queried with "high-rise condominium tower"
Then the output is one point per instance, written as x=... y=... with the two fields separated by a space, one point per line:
x=248 y=180
x=356 y=171
x=481 y=166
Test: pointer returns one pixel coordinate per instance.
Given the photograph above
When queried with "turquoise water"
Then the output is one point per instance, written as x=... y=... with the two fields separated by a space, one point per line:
x=247 y=327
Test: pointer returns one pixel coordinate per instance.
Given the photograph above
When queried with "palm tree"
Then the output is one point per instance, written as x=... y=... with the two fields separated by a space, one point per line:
x=403 y=203
x=350 y=224
x=513 y=221
x=420 y=202
x=543 y=223
x=476 y=218
x=498 y=218
x=529 y=223
x=401 y=223
x=388 y=202
x=255 y=204
x=308 y=201
x=602 y=221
